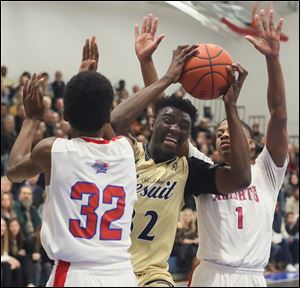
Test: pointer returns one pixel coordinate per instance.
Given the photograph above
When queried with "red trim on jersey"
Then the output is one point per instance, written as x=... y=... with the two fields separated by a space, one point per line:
x=102 y=141
x=61 y=273
x=191 y=276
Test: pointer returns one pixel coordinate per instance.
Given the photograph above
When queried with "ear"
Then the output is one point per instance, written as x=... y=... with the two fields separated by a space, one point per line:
x=251 y=144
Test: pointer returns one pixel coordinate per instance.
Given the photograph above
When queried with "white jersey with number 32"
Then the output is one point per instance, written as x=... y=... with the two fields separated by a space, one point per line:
x=88 y=210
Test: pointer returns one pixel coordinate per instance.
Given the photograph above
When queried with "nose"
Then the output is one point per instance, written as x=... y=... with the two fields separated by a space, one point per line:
x=225 y=135
x=174 y=127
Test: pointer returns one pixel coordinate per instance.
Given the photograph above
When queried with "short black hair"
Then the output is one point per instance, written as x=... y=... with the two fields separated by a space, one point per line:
x=88 y=99
x=184 y=105
x=243 y=124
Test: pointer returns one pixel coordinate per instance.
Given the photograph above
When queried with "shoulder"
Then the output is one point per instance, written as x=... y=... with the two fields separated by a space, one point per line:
x=41 y=153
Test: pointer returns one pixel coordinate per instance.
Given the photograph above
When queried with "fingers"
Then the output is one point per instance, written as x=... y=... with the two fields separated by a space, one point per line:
x=188 y=50
x=242 y=72
x=143 y=30
x=190 y=55
x=230 y=75
x=25 y=90
x=136 y=31
x=149 y=23
x=154 y=27
x=92 y=47
x=279 y=27
x=158 y=40
x=85 y=52
x=251 y=39
x=271 y=21
x=263 y=19
x=259 y=26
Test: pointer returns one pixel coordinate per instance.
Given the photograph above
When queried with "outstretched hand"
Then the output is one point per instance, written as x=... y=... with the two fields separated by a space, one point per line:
x=145 y=42
x=180 y=56
x=33 y=98
x=234 y=89
x=268 y=41
x=90 y=55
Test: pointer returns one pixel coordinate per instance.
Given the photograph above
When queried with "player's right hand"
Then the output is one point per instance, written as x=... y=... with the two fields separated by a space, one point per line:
x=180 y=56
x=235 y=87
x=90 y=56
x=33 y=98
x=145 y=44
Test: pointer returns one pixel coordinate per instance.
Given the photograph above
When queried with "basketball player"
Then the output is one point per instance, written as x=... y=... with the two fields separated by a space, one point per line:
x=164 y=178
x=235 y=240
x=90 y=182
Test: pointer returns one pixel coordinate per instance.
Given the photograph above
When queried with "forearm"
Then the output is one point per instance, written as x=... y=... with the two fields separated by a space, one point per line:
x=276 y=89
x=150 y=76
x=130 y=109
x=22 y=147
x=240 y=155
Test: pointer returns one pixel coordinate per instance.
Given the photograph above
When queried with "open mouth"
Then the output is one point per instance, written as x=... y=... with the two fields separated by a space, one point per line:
x=225 y=145
x=171 y=141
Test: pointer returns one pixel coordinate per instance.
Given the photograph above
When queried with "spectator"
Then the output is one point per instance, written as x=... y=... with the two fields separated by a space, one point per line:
x=18 y=249
x=46 y=87
x=292 y=234
x=187 y=240
x=11 y=274
x=8 y=137
x=121 y=92
x=201 y=127
x=27 y=214
x=6 y=206
x=292 y=203
x=291 y=185
x=37 y=190
x=58 y=86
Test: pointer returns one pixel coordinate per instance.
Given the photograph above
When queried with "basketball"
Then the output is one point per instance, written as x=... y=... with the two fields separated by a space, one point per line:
x=204 y=76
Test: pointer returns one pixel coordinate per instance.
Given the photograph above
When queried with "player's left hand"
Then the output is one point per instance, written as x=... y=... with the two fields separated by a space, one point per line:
x=90 y=56
x=145 y=41
x=234 y=89
x=268 y=41
x=33 y=98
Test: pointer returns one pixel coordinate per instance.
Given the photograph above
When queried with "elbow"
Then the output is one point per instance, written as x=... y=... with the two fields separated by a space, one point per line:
x=279 y=117
x=245 y=181
x=11 y=175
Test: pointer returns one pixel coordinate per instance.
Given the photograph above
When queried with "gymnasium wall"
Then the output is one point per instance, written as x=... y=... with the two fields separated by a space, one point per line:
x=49 y=36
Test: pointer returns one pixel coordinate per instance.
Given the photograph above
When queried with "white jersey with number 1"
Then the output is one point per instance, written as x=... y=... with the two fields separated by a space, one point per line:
x=235 y=230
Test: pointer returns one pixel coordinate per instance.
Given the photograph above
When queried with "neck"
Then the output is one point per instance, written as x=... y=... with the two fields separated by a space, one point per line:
x=157 y=155
x=75 y=133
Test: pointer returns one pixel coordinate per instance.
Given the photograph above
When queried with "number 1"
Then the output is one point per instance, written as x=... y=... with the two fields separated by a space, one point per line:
x=239 y=210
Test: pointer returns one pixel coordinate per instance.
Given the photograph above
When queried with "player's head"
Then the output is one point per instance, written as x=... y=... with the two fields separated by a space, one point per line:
x=223 y=139
x=172 y=124
x=88 y=101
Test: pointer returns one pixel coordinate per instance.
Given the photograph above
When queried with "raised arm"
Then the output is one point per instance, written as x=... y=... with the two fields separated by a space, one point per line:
x=238 y=175
x=145 y=46
x=22 y=162
x=130 y=109
x=90 y=62
x=268 y=44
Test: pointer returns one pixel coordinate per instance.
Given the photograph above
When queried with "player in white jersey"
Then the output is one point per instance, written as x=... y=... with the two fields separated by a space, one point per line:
x=91 y=182
x=235 y=230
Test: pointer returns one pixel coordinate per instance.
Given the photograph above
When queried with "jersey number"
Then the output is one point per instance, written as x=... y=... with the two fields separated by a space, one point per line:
x=239 y=211
x=145 y=233
x=90 y=229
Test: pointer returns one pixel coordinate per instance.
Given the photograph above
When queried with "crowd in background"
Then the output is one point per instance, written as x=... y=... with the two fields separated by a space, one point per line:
x=23 y=259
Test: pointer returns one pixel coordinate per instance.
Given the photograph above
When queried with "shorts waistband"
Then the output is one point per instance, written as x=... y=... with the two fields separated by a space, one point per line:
x=98 y=267
x=230 y=269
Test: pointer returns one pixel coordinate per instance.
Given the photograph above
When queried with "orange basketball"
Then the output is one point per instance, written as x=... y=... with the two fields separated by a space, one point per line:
x=204 y=76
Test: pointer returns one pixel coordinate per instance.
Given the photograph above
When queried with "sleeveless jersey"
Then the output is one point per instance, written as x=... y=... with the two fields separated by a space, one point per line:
x=88 y=210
